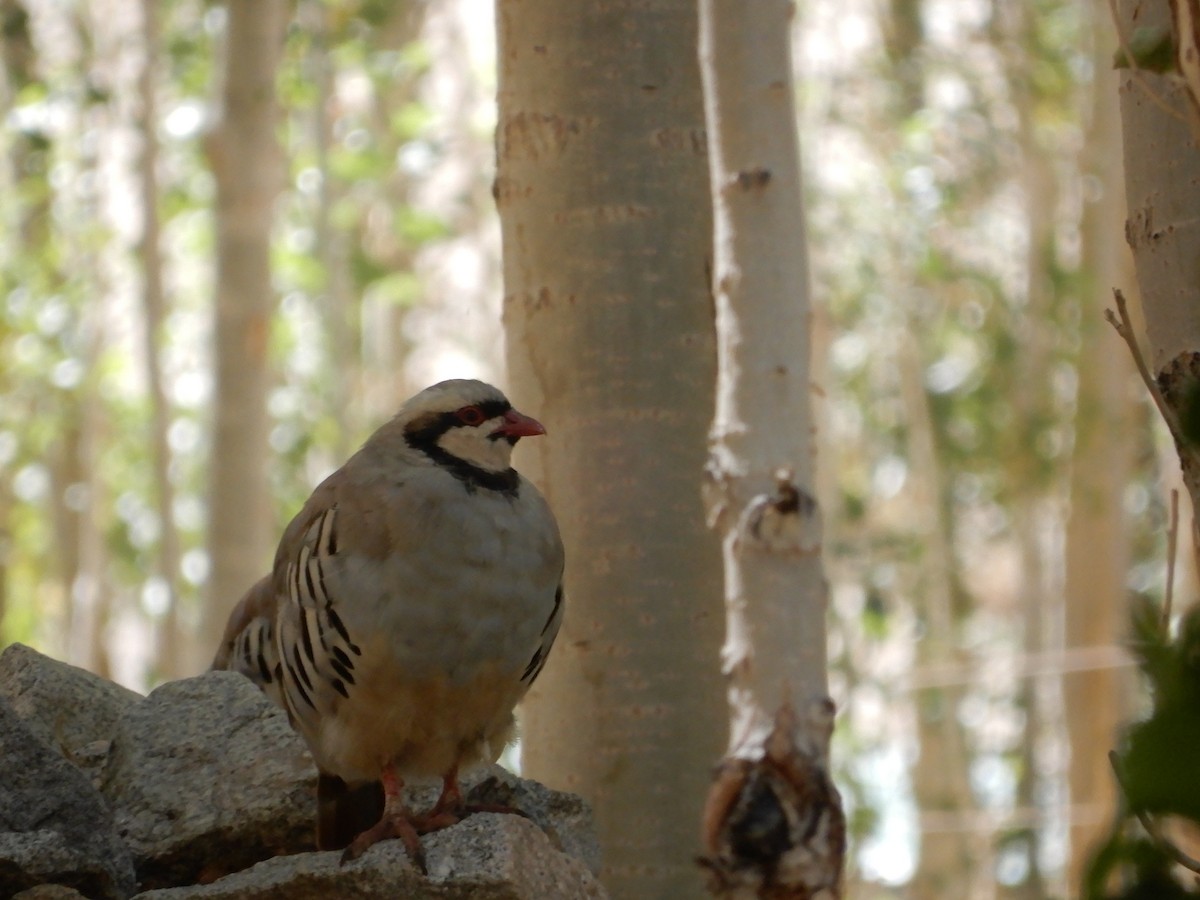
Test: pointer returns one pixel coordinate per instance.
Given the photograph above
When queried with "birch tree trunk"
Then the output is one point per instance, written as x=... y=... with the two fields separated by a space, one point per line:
x=1036 y=499
x=1162 y=195
x=1097 y=535
x=170 y=662
x=773 y=825
x=246 y=162
x=951 y=853
x=602 y=190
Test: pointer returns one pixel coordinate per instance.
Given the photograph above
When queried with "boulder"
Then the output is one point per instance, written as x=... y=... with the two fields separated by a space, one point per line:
x=206 y=777
x=55 y=828
x=69 y=708
x=202 y=789
x=50 y=892
x=488 y=856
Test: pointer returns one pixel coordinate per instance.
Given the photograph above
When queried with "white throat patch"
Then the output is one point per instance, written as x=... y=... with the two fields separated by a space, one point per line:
x=473 y=445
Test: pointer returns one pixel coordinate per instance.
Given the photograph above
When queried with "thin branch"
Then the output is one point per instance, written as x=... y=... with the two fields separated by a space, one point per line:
x=1136 y=72
x=1124 y=326
x=1151 y=826
x=1172 y=542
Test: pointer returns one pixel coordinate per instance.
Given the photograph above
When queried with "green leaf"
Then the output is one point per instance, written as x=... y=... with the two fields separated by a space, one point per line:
x=398 y=288
x=1189 y=415
x=410 y=120
x=1152 y=49
x=419 y=227
x=1155 y=777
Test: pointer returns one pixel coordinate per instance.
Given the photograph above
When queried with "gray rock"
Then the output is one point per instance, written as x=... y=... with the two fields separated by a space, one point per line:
x=54 y=826
x=66 y=707
x=207 y=790
x=50 y=892
x=485 y=857
x=206 y=777
x=565 y=818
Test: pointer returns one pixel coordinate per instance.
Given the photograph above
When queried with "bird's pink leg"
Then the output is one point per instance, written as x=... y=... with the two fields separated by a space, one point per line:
x=451 y=808
x=397 y=821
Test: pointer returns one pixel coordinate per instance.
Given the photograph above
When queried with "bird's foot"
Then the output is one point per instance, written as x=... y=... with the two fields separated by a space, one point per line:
x=402 y=825
x=444 y=815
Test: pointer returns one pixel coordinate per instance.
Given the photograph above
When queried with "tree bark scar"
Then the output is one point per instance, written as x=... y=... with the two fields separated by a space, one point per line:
x=773 y=824
x=1179 y=384
x=750 y=179
x=791 y=500
x=788 y=499
x=1139 y=227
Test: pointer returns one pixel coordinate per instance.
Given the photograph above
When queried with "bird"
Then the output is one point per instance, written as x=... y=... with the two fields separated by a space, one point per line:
x=248 y=645
x=412 y=602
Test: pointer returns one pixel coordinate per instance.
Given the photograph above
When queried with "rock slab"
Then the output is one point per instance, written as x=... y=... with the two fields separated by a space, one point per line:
x=488 y=856
x=203 y=790
x=54 y=825
x=206 y=777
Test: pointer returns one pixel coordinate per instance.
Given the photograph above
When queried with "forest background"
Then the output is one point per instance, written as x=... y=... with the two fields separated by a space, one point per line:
x=992 y=478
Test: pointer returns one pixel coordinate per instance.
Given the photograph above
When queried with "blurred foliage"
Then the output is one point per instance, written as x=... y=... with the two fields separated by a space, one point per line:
x=1189 y=414
x=1150 y=47
x=944 y=162
x=1155 y=767
x=75 y=417
x=950 y=394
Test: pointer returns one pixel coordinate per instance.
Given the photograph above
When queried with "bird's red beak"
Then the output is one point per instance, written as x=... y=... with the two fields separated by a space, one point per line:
x=518 y=425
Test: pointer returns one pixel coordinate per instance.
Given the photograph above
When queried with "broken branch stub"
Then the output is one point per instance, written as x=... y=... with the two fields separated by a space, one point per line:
x=773 y=822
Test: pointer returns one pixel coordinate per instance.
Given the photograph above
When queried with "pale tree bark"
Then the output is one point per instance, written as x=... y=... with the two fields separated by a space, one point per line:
x=170 y=662
x=952 y=854
x=78 y=500
x=339 y=310
x=369 y=341
x=24 y=223
x=1036 y=507
x=361 y=384
x=1162 y=195
x=74 y=231
x=602 y=189
x=773 y=825
x=245 y=158
x=1097 y=536
x=1160 y=127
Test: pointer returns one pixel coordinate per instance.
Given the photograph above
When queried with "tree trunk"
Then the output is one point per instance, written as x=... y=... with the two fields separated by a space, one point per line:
x=1034 y=476
x=170 y=662
x=26 y=224
x=78 y=500
x=773 y=825
x=1097 y=536
x=246 y=163
x=603 y=196
x=340 y=304
x=1162 y=195
x=950 y=852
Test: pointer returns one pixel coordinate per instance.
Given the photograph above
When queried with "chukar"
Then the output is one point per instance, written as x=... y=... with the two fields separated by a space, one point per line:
x=413 y=601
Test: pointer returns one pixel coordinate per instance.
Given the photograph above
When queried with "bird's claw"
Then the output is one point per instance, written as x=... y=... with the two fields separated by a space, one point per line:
x=401 y=827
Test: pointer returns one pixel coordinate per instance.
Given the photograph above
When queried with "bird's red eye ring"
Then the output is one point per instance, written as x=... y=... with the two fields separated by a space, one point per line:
x=471 y=415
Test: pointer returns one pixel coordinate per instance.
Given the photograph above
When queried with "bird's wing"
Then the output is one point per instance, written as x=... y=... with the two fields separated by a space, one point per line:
x=248 y=645
x=318 y=653
x=549 y=633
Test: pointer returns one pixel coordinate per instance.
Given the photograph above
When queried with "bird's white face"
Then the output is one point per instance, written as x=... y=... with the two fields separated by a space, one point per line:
x=483 y=445
x=466 y=423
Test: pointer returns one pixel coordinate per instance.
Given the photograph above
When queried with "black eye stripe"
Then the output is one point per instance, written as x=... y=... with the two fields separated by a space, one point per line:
x=493 y=408
x=424 y=432
x=445 y=421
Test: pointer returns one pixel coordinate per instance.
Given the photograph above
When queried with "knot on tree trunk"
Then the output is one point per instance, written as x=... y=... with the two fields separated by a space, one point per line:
x=773 y=822
x=786 y=520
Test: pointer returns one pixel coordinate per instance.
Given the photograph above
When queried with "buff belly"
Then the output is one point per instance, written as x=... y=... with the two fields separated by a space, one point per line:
x=423 y=726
